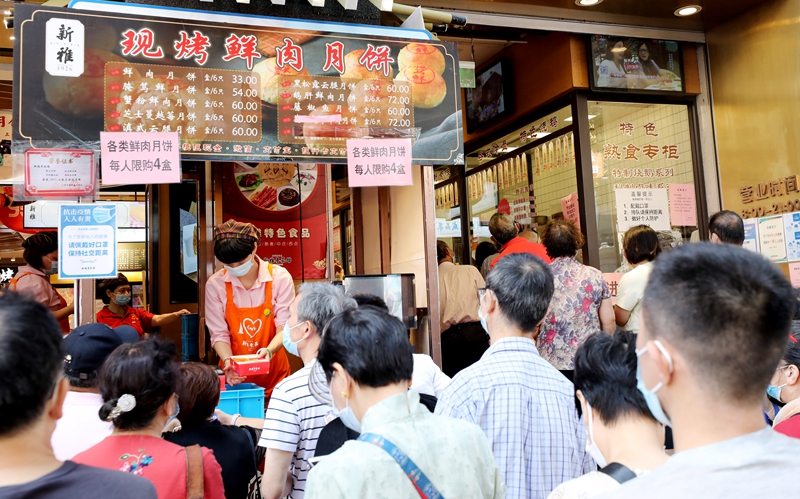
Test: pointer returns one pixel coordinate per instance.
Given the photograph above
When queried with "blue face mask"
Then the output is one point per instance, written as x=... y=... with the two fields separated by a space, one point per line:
x=241 y=270
x=650 y=395
x=53 y=268
x=177 y=411
x=775 y=391
x=122 y=299
x=102 y=215
x=347 y=415
x=481 y=316
x=288 y=344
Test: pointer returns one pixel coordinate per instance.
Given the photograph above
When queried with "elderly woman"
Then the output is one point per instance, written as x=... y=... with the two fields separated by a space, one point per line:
x=139 y=384
x=581 y=302
x=367 y=359
x=641 y=247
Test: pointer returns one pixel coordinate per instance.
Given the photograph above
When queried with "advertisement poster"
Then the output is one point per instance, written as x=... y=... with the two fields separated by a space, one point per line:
x=635 y=65
x=772 y=239
x=238 y=93
x=59 y=173
x=569 y=206
x=379 y=162
x=139 y=157
x=287 y=202
x=87 y=241
x=751 y=235
x=642 y=207
x=791 y=225
x=682 y=208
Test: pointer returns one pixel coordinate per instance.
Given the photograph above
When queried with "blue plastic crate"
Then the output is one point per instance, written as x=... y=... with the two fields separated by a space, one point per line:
x=246 y=399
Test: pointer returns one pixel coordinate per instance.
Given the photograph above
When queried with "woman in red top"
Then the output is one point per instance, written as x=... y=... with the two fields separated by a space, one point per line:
x=139 y=383
x=116 y=294
x=785 y=388
x=41 y=255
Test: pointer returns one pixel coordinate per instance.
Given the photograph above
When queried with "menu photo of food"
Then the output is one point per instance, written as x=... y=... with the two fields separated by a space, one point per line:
x=276 y=186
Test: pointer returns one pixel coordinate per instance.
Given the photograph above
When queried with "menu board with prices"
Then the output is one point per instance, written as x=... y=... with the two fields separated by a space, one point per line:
x=131 y=257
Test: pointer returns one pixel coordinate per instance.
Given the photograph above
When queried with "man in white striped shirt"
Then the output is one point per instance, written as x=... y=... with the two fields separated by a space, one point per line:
x=294 y=417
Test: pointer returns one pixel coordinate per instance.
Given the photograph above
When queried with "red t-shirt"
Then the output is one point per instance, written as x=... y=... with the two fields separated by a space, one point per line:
x=789 y=427
x=138 y=318
x=157 y=460
x=522 y=245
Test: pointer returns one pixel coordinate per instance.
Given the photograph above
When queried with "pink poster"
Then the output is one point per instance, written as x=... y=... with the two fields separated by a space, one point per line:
x=794 y=274
x=379 y=162
x=682 y=208
x=58 y=173
x=612 y=280
x=140 y=158
x=569 y=205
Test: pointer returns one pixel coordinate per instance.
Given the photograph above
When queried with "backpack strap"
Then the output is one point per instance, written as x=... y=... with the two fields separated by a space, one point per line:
x=619 y=472
x=194 y=472
x=421 y=483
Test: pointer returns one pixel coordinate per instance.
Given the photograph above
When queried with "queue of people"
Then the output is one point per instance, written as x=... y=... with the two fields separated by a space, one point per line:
x=558 y=407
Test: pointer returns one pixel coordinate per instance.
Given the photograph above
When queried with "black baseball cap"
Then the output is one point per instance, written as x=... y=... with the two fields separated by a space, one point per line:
x=88 y=346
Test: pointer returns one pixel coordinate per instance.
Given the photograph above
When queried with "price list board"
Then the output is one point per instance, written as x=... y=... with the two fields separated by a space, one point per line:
x=202 y=105
x=131 y=257
x=326 y=111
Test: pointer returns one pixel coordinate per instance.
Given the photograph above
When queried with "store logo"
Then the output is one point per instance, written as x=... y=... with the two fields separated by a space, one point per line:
x=64 y=47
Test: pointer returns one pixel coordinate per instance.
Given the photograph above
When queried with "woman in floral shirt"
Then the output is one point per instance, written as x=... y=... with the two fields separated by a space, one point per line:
x=581 y=302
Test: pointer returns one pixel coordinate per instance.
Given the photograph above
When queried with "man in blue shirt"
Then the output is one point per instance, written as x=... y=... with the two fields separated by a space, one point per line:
x=524 y=405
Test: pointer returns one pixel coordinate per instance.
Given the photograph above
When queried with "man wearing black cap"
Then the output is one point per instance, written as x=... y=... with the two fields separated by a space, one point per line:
x=86 y=349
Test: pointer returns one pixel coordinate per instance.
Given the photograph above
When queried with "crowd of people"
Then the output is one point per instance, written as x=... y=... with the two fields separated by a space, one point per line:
x=559 y=404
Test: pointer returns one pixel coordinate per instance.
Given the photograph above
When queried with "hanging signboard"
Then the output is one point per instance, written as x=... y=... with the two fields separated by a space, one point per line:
x=87 y=241
x=380 y=162
x=232 y=92
x=59 y=173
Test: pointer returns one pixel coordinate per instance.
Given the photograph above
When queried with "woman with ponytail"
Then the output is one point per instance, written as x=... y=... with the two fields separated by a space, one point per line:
x=139 y=384
x=33 y=279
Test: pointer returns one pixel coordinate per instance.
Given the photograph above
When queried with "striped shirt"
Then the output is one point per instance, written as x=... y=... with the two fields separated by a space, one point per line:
x=293 y=422
x=527 y=410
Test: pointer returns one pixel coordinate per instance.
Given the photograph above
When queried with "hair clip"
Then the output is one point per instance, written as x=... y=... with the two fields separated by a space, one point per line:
x=794 y=340
x=125 y=403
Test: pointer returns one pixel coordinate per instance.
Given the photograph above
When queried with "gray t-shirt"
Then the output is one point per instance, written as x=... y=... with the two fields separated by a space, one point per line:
x=760 y=464
x=78 y=481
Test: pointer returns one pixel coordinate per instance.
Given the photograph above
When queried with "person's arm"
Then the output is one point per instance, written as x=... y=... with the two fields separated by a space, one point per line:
x=627 y=298
x=608 y=316
x=238 y=420
x=163 y=319
x=64 y=312
x=621 y=316
x=276 y=482
x=216 y=300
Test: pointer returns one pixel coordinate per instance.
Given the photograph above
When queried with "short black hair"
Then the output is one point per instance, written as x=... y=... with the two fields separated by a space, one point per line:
x=199 y=394
x=31 y=357
x=484 y=251
x=37 y=246
x=441 y=250
x=523 y=285
x=562 y=238
x=233 y=250
x=728 y=226
x=149 y=370
x=371 y=345
x=641 y=244
x=605 y=373
x=502 y=228
x=792 y=353
x=371 y=300
x=727 y=310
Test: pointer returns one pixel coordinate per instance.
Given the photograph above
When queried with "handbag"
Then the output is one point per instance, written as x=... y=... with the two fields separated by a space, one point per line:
x=422 y=484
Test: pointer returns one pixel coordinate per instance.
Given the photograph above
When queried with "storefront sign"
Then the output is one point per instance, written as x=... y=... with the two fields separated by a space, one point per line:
x=791 y=225
x=766 y=191
x=569 y=206
x=642 y=207
x=751 y=235
x=772 y=239
x=139 y=157
x=58 y=173
x=87 y=241
x=682 y=208
x=794 y=274
x=241 y=93
x=378 y=162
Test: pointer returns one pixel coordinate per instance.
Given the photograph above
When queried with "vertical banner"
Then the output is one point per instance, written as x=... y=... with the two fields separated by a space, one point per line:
x=87 y=239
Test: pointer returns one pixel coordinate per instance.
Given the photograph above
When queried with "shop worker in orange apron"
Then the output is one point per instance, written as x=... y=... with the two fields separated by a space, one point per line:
x=244 y=303
x=33 y=279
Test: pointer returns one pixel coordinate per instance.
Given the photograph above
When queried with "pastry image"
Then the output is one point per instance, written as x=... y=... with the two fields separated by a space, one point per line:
x=421 y=54
x=427 y=86
x=354 y=69
x=289 y=196
x=271 y=74
x=277 y=174
x=265 y=198
x=269 y=42
x=83 y=96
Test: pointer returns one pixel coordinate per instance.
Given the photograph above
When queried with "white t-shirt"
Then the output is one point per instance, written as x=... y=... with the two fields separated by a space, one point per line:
x=80 y=427
x=293 y=422
x=427 y=377
x=756 y=465
x=590 y=485
x=630 y=292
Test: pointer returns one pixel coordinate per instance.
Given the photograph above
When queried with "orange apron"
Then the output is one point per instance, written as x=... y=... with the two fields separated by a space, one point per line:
x=253 y=328
x=64 y=323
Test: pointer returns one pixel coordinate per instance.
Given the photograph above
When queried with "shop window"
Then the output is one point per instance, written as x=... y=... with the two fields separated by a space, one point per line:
x=645 y=147
x=448 y=209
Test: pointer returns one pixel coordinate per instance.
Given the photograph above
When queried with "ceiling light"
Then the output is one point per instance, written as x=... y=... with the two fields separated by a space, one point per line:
x=11 y=37
x=587 y=3
x=569 y=119
x=688 y=10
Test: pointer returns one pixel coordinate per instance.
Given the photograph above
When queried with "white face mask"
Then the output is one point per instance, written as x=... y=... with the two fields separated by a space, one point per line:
x=241 y=270
x=591 y=445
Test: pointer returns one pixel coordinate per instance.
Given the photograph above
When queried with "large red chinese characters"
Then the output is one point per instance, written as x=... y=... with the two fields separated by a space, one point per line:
x=242 y=47
x=195 y=46
x=140 y=42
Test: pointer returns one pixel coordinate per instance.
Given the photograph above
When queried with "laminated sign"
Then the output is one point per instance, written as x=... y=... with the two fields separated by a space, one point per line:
x=379 y=162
